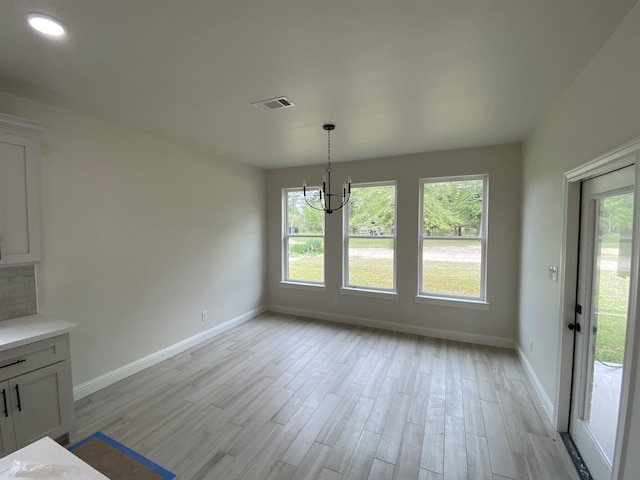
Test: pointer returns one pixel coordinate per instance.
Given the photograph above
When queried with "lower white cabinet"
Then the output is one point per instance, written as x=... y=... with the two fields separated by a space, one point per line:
x=7 y=437
x=35 y=393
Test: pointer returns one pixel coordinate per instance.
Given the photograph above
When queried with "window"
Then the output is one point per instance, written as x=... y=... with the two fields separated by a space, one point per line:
x=370 y=237
x=453 y=239
x=303 y=245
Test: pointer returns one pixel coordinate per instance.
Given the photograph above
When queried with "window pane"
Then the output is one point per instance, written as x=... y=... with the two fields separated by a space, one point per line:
x=306 y=259
x=452 y=267
x=371 y=214
x=453 y=209
x=371 y=262
x=372 y=210
x=301 y=218
x=304 y=236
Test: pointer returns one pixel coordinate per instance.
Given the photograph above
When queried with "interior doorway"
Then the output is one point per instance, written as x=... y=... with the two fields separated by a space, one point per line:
x=602 y=319
x=600 y=295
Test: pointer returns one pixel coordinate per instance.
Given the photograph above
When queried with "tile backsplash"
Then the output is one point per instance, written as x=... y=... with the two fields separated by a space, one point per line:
x=17 y=292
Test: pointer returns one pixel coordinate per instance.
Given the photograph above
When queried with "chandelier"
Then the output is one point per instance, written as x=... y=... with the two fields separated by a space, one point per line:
x=323 y=200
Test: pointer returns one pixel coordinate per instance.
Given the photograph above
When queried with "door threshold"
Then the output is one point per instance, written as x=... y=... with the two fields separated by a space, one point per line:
x=576 y=458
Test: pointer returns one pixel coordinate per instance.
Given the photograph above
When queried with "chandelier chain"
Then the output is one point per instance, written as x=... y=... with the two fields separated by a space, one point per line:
x=329 y=150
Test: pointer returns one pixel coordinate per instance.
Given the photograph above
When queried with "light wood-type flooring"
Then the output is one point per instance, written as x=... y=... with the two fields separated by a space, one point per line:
x=282 y=397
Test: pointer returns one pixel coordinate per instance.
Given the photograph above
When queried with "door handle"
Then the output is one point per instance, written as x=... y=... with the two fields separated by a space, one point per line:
x=574 y=326
x=18 y=398
x=4 y=398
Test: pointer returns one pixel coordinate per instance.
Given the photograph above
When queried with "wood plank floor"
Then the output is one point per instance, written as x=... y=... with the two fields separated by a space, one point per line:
x=283 y=397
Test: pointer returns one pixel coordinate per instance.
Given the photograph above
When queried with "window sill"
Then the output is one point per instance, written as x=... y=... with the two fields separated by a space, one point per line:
x=314 y=287
x=454 y=302
x=363 y=292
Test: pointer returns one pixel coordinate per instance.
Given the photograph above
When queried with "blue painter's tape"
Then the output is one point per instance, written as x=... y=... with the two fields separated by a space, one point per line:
x=166 y=474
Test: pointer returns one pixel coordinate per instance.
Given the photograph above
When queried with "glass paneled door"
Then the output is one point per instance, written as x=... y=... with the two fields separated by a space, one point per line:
x=602 y=316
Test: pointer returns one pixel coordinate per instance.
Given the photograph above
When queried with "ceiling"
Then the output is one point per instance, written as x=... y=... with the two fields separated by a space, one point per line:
x=395 y=76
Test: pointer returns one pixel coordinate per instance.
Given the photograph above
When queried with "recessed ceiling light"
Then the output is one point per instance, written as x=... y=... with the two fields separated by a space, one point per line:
x=46 y=24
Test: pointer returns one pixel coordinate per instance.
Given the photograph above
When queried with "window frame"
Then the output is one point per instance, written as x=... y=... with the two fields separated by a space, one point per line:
x=445 y=298
x=285 y=280
x=352 y=289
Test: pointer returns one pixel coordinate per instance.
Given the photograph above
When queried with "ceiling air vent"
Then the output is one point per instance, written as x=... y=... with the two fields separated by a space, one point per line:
x=274 y=104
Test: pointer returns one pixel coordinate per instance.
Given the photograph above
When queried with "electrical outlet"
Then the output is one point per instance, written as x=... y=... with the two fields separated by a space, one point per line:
x=336 y=300
x=553 y=273
x=531 y=344
x=204 y=316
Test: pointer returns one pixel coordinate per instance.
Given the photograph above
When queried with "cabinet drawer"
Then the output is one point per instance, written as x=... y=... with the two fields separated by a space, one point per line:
x=33 y=356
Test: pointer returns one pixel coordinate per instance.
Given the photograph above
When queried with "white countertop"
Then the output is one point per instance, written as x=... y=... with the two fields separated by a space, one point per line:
x=49 y=460
x=24 y=330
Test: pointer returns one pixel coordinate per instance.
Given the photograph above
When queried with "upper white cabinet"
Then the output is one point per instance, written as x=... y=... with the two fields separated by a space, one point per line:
x=20 y=217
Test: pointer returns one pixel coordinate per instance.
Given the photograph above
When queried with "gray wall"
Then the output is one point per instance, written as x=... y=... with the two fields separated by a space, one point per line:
x=502 y=163
x=140 y=236
x=600 y=111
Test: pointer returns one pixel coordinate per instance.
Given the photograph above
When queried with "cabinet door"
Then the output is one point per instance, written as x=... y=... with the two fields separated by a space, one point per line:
x=7 y=439
x=19 y=202
x=39 y=401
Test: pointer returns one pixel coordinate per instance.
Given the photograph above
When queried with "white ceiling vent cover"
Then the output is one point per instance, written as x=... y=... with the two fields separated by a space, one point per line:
x=274 y=104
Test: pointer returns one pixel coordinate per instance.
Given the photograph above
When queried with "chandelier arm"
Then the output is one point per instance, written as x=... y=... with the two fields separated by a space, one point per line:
x=335 y=209
x=326 y=207
x=313 y=206
x=344 y=202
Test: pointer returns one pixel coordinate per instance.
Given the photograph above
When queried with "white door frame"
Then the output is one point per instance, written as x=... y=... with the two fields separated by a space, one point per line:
x=620 y=157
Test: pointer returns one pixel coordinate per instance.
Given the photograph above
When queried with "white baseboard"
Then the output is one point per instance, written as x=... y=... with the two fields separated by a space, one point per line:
x=545 y=401
x=398 y=327
x=92 y=386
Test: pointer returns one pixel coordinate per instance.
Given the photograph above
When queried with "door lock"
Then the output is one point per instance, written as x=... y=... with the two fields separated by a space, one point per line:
x=574 y=326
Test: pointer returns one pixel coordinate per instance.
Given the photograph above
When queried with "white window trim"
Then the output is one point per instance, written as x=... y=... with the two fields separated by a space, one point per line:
x=479 y=302
x=456 y=302
x=300 y=285
x=367 y=292
x=284 y=264
x=351 y=289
